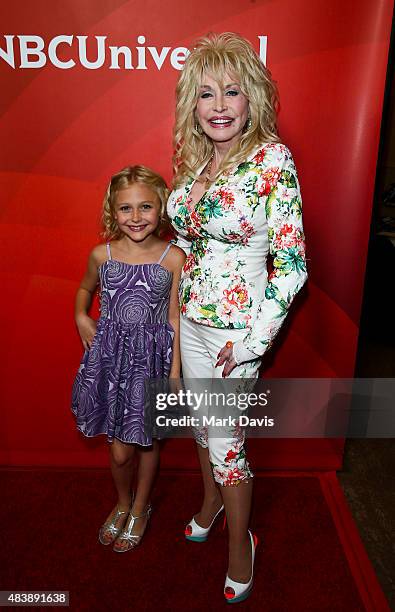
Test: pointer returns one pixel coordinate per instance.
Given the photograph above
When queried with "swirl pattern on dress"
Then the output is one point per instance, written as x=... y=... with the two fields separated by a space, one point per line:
x=133 y=343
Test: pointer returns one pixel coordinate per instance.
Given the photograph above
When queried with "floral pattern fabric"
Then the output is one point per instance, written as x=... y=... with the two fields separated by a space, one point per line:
x=228 y=234
x=227 y=456
x=225 y=440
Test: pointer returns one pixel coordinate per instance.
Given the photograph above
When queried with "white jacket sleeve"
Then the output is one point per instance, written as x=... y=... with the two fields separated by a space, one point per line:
x=279 y=191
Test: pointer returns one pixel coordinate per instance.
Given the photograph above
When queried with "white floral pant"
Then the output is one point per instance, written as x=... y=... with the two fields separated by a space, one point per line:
x=200 y=345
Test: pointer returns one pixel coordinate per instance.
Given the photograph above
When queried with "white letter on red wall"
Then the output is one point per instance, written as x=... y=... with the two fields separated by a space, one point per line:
x=263 y=48
x=101 y=52
x=37 y=50
x=116 y=52
x=178 y=57
x=52 y=48
x=8 y=56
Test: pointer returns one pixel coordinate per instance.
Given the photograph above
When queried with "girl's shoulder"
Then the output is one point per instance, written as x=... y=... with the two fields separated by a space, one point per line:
x=99 y=254
x=175 y=256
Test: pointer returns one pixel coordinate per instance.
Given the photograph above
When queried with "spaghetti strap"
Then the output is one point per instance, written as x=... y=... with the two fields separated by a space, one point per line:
x=164 y=253
x=108 y=251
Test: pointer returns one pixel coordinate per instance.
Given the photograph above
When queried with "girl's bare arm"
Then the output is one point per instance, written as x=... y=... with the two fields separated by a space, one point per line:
x=175 y=261
x=85 y=324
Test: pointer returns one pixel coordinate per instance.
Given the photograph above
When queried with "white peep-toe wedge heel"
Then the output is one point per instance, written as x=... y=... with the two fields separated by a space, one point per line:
x=241 y=590
x=195 y=533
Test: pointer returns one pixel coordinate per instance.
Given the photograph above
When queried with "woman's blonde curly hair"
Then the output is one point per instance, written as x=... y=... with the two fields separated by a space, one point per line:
x=122 y=180
x=217 y=55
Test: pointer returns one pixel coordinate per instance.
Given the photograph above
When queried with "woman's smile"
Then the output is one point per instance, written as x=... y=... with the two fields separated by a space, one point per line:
x=220 y=122
x=222 y=110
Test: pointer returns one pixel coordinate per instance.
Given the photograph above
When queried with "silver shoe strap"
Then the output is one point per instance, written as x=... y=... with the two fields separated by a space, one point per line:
x=127 y=533
x=110 y=527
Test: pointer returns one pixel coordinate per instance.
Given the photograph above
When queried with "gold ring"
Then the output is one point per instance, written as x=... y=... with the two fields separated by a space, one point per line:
x=229 y=344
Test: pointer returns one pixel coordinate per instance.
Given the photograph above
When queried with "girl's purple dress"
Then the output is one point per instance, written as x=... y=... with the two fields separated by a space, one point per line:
x=133 y=342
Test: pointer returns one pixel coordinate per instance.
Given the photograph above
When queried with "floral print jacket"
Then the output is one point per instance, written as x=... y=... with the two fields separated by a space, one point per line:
x=245 y=215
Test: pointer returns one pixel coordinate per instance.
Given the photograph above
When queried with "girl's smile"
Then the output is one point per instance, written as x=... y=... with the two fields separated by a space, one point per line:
x=137 y=211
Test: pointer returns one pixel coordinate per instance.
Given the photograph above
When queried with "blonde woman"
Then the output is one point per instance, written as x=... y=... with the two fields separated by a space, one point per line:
x=235 y=201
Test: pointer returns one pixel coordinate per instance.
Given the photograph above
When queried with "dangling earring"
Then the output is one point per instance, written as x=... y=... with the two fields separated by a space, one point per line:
x=198 y=128
x=248 y=124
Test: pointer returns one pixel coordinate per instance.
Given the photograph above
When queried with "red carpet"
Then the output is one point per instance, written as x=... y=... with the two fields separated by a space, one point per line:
x=310 y=557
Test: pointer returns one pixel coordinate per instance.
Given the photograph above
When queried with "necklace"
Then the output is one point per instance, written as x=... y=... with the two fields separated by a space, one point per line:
x=207 y=181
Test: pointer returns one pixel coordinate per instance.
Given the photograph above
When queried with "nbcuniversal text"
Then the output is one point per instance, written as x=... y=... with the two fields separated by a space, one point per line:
x=67 y=51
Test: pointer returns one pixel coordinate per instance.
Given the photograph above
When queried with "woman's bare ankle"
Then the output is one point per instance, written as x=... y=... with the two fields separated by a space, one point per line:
x=210 y=507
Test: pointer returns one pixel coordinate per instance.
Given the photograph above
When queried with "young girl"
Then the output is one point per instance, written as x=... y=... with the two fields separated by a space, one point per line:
x=136 y=337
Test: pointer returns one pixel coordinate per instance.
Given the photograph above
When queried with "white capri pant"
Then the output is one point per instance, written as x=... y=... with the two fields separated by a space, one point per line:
x=200 y=345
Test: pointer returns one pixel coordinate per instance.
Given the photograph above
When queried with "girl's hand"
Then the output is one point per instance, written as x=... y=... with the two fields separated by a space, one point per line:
x=175 y=377
x=175 y=384
x=87 y=329
x=226 y=356
x=175 y=374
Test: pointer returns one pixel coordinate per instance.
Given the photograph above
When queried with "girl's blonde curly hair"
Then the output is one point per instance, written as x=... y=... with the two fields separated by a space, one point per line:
x=217 y=55
x=122 y=180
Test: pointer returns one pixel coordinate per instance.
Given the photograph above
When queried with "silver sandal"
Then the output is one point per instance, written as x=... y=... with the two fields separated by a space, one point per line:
x=110 y=528
x=127 y=535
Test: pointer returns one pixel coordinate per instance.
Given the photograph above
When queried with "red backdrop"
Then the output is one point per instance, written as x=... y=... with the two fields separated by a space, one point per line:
x=64 y=130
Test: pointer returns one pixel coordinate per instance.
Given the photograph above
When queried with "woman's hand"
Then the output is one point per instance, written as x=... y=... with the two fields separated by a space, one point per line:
x=226 y=356
x=87 y=329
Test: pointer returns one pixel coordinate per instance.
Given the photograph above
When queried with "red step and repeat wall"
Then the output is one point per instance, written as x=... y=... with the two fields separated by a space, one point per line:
x=87 y=87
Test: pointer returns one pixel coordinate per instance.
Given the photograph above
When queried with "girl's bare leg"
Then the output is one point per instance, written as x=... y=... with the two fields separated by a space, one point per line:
x=121 y=461
x=122 y=458
x=147 y=471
